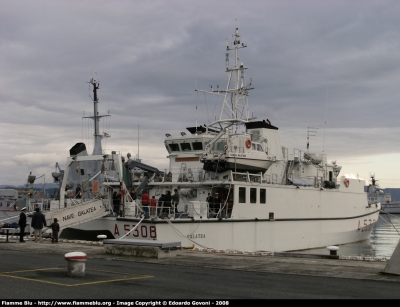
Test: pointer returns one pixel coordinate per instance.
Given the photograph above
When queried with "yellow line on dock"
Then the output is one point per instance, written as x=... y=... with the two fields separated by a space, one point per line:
x=112 y=280
x=24 y=271
x=8 y=274
x=37 y=280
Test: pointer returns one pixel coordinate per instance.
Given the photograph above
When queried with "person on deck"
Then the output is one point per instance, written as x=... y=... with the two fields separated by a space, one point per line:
x=165 y=202
x=116 y=202
x=145 y=202
x=153 y=205
x=217 y=203
x=175 y=200
x=132 y=193
x=210 y=201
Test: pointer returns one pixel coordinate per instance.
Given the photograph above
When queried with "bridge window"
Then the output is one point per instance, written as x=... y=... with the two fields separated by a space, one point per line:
x=263 y=196
x=185 y=146
x=220 y=146
x=242 y=195
x=255 y=146
x=174 y=147
x=197 y=145
x=253 y=195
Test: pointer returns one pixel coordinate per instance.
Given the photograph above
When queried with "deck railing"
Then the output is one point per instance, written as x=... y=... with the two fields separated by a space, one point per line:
x=165 y=210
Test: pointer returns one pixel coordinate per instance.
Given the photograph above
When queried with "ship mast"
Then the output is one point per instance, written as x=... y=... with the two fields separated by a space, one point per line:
x=97 y=148
x=234 y=109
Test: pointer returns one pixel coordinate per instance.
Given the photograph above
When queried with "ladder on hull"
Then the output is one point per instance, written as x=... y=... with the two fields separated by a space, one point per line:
x=288 y=172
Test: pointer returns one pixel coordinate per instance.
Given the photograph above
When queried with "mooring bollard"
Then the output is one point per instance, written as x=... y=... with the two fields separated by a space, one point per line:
x=76 y=263
x=101 y=237
x=332 y=249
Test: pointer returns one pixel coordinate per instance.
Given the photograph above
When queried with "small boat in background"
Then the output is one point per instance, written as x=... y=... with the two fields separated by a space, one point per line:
x=376 y=194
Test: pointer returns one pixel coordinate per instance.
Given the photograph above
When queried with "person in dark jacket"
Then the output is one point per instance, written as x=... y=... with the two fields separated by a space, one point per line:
x=132 y=193
x=210 y=201
x=22 y=224
x=165 y=202
x=116 y=202
x=37 y=223
x=175 y=200
x=217 y=202
x=55 y=227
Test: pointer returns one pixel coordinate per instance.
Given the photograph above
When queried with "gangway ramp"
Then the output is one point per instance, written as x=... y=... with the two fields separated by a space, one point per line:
x=76 y=214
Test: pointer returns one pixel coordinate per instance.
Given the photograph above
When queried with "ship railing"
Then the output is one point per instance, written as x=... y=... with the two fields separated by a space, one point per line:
x=270 y=178
x=12 y=206
x=247 y=177
x=187 y=174
x=217 y=210
x=372 y=200
x=77 y=198
x=165 y=210
x=131 y=207
x=33 y=204
x=160 y=210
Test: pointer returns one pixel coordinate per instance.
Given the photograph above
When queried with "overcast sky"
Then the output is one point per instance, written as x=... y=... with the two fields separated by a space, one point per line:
x=310 y=61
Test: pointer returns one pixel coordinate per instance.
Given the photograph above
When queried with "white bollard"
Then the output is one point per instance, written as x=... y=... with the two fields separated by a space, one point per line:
x=101 y=237
x=333 y=249
x=76 y=263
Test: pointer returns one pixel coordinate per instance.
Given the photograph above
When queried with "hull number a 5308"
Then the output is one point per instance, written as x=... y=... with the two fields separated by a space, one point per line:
x=143 y=231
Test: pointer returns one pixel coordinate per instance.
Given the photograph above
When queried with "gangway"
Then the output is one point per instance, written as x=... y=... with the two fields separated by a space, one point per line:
x=73 y=215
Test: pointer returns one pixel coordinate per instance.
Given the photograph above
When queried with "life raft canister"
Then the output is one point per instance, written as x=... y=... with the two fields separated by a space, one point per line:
x=248 y=143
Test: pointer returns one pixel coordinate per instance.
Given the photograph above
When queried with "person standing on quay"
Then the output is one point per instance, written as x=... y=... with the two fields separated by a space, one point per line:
x=38 y=221
x=55 y=227
x=22 y=224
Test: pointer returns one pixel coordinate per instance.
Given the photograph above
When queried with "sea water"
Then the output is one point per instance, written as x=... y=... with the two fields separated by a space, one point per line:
x=383 y=240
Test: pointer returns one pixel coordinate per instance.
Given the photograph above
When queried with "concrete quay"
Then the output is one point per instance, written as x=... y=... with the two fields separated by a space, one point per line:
x=278 y=263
